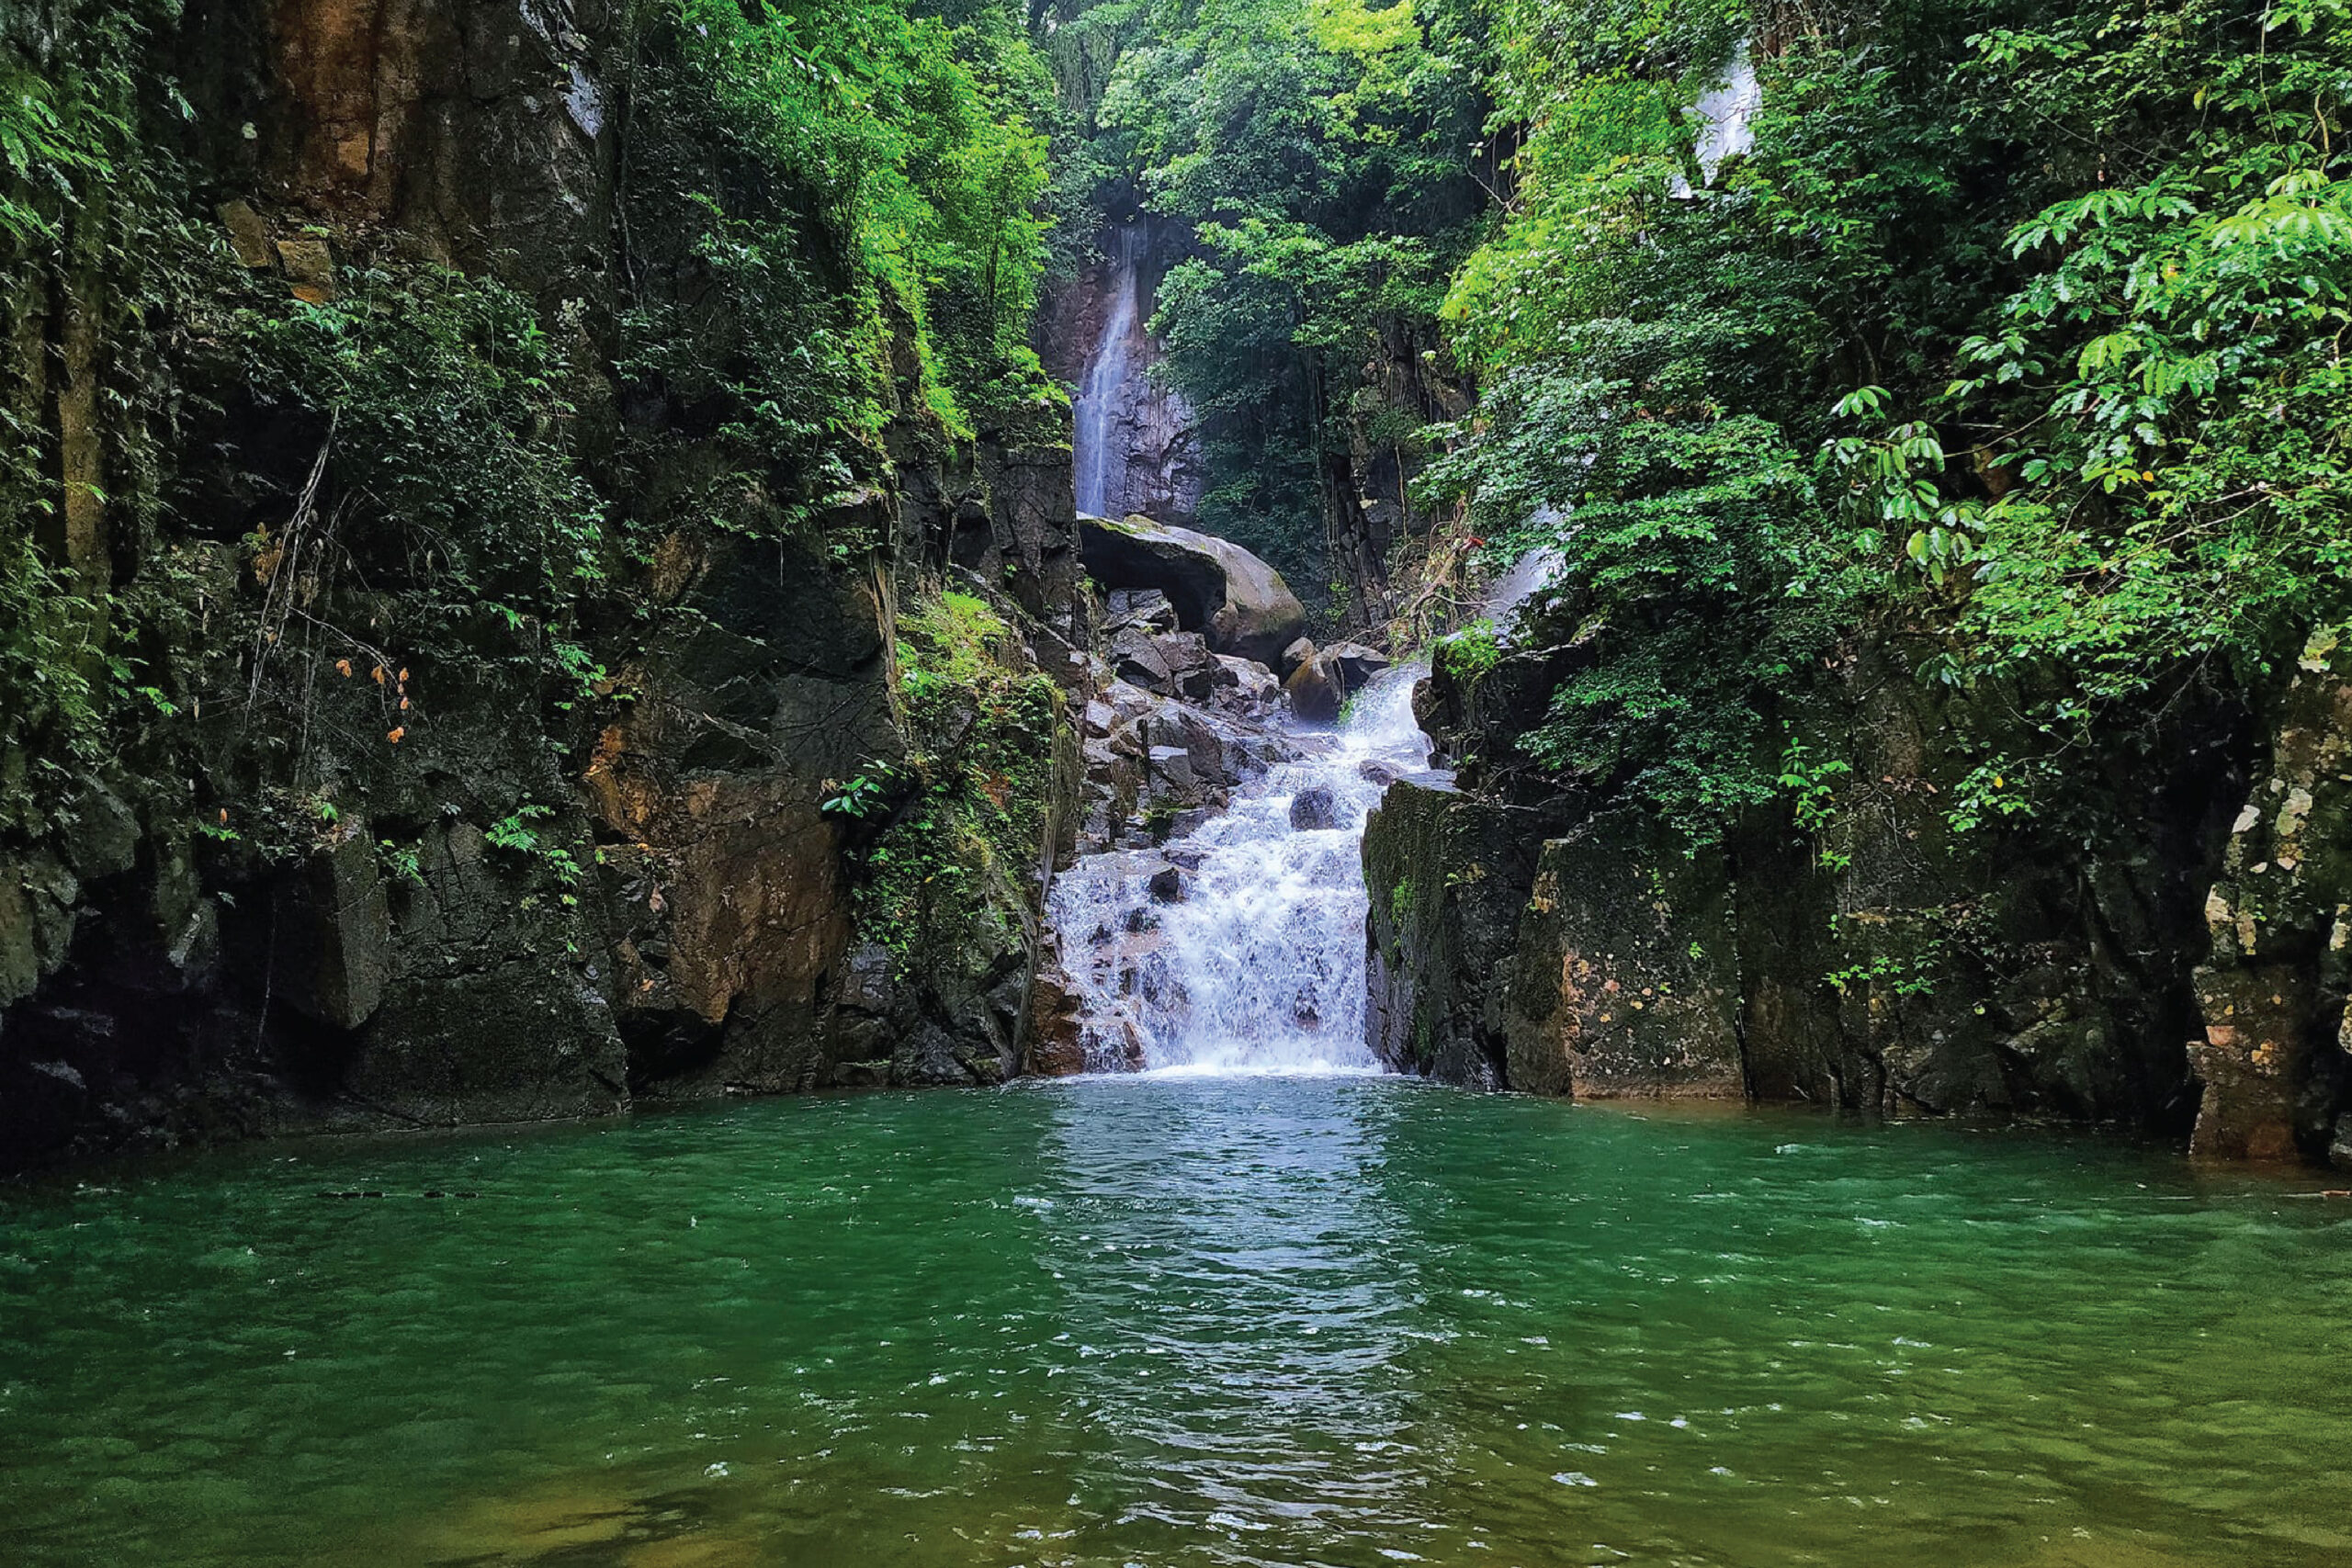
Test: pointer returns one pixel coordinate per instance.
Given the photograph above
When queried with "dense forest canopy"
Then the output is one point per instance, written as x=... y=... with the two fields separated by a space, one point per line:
x=2026 y=323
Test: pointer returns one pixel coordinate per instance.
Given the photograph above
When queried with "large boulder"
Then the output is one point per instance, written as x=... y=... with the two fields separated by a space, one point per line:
x=1238 y=602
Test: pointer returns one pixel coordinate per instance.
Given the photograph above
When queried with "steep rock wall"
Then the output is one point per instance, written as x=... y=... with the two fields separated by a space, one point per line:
x=384 y=845
x=2274 y=1049
x=2162 y=948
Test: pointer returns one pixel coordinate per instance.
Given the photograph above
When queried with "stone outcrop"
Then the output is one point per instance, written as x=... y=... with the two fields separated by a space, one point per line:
x=1164 y=749
x=2276 y=1047
x=1220 y=591
x=1504 y=955
x=1323 y=680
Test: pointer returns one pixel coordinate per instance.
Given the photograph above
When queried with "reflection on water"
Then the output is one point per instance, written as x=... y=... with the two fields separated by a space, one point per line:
x=1188 y=1321
x=1243 y=1294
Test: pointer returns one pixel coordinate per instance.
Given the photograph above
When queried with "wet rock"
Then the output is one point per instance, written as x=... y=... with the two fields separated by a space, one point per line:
x=1192 y=668
x=865 y=980
x=928 y=1058
x=1352 y=664
x=100 y=837
x=1447 y=877
x=1128 y=701
x=1148 y=608
x=1138 y=660
x=333 y=949
x=1166 y=886
x=1312 y=810
x=1622 y=979
x=61 y=1071
x=1321 y=686
x=1313 y=696
x=1172 y=766
x=1057 y=1031
x=1244 y=687
x=39 y=898
x=1297 y=654
x=1242 y=605
x=1374 y=770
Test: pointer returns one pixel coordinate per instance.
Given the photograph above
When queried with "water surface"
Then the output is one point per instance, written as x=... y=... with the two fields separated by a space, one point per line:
x=1160 y=1322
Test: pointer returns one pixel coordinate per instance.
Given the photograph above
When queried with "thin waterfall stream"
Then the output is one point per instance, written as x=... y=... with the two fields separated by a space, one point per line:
x=1238 y=948
x=1107 y=371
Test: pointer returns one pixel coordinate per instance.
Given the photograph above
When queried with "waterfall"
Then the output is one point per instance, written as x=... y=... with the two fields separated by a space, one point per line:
x=1725 y=113
x=1258 y=965
x=1728 y=112
x=1535 y=569
x=1091 y=414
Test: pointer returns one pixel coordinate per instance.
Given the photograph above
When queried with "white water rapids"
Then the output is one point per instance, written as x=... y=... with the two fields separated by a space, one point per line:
x=1259 y=968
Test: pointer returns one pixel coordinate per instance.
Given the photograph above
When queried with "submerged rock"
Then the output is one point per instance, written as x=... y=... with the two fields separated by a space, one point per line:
x=1314 y=808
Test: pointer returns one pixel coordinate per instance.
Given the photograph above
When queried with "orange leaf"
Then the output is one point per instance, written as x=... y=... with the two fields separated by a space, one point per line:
x=395 y=735
x=379 y=675
x=343 y=666
x=403 y=676
x=403 y=705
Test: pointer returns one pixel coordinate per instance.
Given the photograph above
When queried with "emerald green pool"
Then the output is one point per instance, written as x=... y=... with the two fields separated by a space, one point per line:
x=1324 y=1321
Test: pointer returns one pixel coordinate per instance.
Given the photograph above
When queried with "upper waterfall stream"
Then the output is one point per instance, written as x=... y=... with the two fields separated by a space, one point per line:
x=1256 y=963
x=1106 y=372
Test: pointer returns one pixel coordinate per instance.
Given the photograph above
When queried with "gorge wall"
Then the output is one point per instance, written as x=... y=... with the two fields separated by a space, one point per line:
x=454 y=709
x=2164 y=952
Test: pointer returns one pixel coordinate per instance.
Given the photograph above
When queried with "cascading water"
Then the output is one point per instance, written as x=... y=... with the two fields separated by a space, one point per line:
x=1257 y=965
x=1107 y=371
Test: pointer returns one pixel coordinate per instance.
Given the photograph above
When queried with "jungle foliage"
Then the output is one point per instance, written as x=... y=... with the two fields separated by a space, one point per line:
x=859 y=181
x=831 y=224
x=2020 y=324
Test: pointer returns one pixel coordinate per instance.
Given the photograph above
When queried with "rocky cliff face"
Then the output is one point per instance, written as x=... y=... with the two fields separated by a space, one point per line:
x=2164 y=949
x=1099 y=344
x=2275 y=1048
x=391 y=839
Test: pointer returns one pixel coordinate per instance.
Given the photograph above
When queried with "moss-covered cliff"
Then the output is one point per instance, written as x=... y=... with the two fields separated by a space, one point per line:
x=477 y=481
